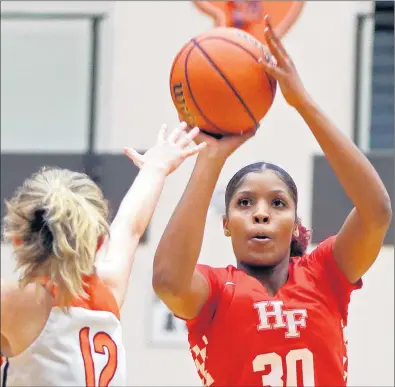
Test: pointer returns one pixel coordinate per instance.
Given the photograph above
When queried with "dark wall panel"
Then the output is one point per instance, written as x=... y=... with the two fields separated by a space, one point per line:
x=16 y=167
x=331 y=205
x=114 y=173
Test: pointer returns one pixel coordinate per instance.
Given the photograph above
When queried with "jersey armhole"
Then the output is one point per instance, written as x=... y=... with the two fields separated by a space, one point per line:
x=340 y=285
x=331 y=265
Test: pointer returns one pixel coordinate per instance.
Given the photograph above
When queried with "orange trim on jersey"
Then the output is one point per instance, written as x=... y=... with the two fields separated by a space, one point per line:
x=100 y=296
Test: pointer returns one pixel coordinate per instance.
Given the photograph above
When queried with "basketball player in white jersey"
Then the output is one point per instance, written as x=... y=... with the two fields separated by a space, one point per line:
x=60 y=323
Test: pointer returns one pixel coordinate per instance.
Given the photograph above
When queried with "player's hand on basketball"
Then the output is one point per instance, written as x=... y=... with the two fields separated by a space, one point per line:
x=170 y=150
x=221 y=149
x=283 y=70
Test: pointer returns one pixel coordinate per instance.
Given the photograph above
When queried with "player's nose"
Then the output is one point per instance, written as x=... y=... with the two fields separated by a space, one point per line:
x=261 y=214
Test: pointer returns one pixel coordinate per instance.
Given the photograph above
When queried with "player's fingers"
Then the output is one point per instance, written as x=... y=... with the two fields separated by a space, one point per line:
x=162 y=133
x=271 y=68
x=237 y=140
x=188 y=138
x=273 y=36
x=176 y=133
x=246 y=136
x=136 y=157
x=274 y=49
x=274 y=43
x=194 y=150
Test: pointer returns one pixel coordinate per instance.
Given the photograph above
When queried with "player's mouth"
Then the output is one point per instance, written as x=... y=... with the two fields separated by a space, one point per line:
x=260 y=238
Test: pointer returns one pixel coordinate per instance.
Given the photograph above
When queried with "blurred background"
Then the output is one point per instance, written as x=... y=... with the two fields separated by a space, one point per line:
x=81 y=80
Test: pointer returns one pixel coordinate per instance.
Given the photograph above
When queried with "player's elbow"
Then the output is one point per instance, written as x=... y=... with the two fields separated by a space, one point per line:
x=162 y=284
x=383 y=216
x=165 y=283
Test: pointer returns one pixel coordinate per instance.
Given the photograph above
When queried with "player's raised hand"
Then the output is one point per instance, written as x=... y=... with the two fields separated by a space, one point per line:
x=220 y=149
x=283 y=70
x=170 y=150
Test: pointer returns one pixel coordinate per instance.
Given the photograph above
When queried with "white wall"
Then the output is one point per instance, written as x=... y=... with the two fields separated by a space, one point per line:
x=141 y=41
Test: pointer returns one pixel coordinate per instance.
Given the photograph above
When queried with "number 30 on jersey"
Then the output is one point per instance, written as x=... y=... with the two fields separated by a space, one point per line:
x=274 y=362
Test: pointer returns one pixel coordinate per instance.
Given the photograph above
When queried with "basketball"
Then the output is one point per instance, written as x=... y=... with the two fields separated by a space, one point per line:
x=217 y=83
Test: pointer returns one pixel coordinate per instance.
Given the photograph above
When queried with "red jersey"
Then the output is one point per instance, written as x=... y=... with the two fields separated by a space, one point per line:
x=245 y=337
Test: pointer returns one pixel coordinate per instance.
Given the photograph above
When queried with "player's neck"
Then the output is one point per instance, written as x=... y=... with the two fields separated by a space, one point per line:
x=271 y=277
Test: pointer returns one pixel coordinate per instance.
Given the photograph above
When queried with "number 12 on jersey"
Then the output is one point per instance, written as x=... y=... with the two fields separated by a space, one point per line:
x=274 y=360
x=100 y=341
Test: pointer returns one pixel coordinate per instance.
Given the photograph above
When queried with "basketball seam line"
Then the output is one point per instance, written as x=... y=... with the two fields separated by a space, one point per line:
x=189 y=88
x=174 y=64
x=235 y=92
x=245 y=50
x=193 y=97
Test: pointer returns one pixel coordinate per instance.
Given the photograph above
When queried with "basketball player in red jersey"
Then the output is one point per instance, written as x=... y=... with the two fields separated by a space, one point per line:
x=60 y=323
x=277 y=319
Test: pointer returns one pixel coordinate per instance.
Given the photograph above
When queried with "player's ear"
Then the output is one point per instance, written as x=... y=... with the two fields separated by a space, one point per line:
x=100 y=242
x=295 y=233
x=225 y=225
x=17 y=241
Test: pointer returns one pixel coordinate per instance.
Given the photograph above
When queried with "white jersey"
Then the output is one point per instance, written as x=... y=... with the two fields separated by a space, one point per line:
x=81 y=348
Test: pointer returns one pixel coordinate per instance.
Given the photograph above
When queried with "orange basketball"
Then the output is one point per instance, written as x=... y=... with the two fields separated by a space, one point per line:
x=218 y=85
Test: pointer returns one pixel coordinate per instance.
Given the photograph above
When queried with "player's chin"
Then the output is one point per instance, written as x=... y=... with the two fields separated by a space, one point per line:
x=264 y=260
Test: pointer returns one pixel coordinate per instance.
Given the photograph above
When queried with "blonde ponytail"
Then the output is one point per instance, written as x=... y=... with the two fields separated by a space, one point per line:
x=59 y=216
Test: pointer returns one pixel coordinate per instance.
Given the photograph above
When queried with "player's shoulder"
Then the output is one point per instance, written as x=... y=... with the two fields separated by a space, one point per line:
x=12 y=294
x=222 y=275
x=325 y=246
x=217 y=271
x=8 y=289
x=11 y=288
x=322 y=251
x=17 y=304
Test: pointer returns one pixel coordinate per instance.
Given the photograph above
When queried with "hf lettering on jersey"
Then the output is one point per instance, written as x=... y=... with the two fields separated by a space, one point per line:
x=272 y=315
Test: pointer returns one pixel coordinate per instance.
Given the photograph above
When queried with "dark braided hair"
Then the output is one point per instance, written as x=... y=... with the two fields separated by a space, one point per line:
x=299 y=244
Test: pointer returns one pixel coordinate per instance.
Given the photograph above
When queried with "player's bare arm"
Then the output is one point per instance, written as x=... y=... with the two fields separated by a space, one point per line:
x=7 y=301
x=138 y=206
x=182 y=288
x=19 y=305
x=11 y=295
x=361 y=236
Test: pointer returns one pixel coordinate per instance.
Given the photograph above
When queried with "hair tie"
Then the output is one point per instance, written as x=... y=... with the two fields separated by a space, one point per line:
x=38 y=221
x=39 y=225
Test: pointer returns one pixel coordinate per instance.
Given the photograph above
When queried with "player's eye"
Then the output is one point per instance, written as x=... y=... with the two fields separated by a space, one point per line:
x=279 y=203
x=244 y=202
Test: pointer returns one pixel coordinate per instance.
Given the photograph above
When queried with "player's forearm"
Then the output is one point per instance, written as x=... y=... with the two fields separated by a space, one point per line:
x=138 y=205
x=180 y=246
x=357 y=176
